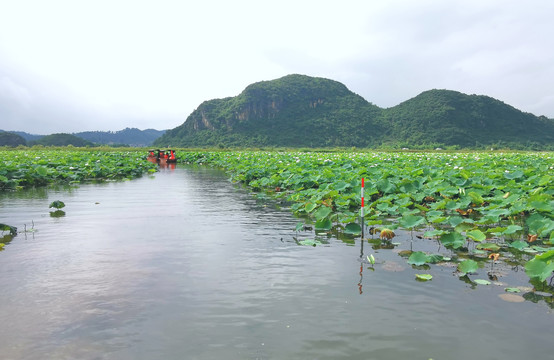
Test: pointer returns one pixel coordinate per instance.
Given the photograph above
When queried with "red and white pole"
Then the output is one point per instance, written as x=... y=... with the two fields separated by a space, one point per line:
x=362 y=220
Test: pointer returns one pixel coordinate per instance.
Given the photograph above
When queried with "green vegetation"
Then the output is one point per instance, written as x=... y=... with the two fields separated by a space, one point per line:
x=37 y=167
x=302 y=111
x=11 y=139
x=293 y=111
x=127 y=137
x=477 y=205
x=61 y=140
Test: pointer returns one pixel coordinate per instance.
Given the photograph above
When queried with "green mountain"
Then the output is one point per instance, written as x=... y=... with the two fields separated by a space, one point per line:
x=11 y=139
x=127 y=136
x=61 y=140
x=304 y=111
x=453 y=118
x=294 y=111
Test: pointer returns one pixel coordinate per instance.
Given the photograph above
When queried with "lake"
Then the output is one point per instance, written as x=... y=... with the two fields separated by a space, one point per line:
x=187 y=265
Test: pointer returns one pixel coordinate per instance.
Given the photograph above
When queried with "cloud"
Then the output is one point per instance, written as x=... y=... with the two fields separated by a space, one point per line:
x=106 y=65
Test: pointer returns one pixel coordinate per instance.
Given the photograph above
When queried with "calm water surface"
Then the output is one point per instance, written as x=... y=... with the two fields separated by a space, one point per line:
x=187 y=265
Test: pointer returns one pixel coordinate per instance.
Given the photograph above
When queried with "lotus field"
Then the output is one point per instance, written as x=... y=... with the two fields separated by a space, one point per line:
x=480 y=206
x=25 y=168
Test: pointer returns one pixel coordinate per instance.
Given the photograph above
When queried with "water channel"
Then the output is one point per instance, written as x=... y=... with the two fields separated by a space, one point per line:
x=187 y=265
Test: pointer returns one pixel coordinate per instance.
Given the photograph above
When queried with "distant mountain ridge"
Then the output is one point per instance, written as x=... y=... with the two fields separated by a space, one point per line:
x=303 y=111
x=127 y=136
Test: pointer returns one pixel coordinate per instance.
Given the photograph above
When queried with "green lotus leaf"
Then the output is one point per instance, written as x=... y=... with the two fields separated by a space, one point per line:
x=453 y=240
x=322 y=212
x=482 y=282
x=433 y=233
x=11 y=229
x=424 y=277
x=323 y=225
x=511 y=229
x=418 y=258
x=353 y=229
x=488 y=246
x=310 y=206
x=539 y=269
x=476 y=235
x=476 y=198
x=57 y=204
x=520 y=245
x=309 y=242
x=512 y=290
x=411 y=221
x=467 y=266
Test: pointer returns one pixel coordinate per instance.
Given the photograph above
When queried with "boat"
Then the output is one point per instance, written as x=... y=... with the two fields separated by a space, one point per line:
x=166 y=156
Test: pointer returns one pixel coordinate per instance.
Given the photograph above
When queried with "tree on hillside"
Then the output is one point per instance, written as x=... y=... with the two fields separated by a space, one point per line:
x=11 y=139
x=62 y=140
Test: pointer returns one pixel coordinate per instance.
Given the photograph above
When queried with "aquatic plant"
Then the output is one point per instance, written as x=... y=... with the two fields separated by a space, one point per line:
x=11 y=229
x=39 y=167
x=57 y=204
x=494 y=202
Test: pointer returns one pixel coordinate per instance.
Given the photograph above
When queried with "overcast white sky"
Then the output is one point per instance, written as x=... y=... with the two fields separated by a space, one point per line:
x=70 y=66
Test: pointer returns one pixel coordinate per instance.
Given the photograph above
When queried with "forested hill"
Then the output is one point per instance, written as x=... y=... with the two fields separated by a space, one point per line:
x=452 y=118
x=304 y=111
x=294 y=111
x=127 y=136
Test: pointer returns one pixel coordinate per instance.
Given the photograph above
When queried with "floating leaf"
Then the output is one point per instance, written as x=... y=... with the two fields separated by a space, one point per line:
x=418 y=258
x=433 y=233
x=476 y=235
x=423 y=277
x=41 y=170
x=11 y=229
x=322 y=212
x=309 y=242
x=453 y=240
x=299 y=226
x=488 y=246
x=353 y=229
x=512 y=229
x=520 y=245
x=57 y=204
x=411 y=221
x=482 y=282
x=310 y=206
x=541 y=266
x=512 y=290
x=467 y=266
x=323 y=225
x=476 y=198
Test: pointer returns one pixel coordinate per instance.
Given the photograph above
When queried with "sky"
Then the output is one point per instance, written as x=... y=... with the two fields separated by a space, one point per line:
x=72 y=66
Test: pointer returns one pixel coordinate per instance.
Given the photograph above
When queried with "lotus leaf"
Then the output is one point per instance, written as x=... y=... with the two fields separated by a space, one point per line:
x=322 y=212
x=411 y=221
x=353 y=229
x=424 y=277
x=418 y=258
x=452 y=240
x=323 y=225
x=476 y=235
x=482 y=282
x=467 y=266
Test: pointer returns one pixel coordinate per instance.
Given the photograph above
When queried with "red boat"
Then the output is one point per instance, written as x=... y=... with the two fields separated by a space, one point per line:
x=162 y=156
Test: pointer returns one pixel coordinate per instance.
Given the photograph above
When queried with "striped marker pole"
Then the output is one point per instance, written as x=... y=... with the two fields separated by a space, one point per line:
x=362 y=222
